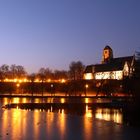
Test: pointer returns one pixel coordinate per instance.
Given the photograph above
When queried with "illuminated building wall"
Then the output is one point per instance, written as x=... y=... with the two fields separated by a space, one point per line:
x=110 y=68
x=109 y=75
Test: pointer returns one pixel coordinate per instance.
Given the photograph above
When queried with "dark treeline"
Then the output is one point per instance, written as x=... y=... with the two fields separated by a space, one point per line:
x=11 y=72
x=69 y=88
x=75 y=84
x=75 y=72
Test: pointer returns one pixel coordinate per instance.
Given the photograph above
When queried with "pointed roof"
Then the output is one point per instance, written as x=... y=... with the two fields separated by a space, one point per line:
x=107 y=47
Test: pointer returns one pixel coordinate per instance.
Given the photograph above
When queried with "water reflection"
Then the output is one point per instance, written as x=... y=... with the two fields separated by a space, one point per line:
x=13 y=125
x=15 y=100
x=51 y=100
x=88 y=128
x=86 y=100
x=62 y=123
x=49 y=123
x=5 y=101
x=87 y=123
x=114 y=115
x=62 y=100
x=107 y=114
x=36 y=122
x=24 y=100
x=16 y=121
x=88 y=112
x=37 y=100
x=56 y=124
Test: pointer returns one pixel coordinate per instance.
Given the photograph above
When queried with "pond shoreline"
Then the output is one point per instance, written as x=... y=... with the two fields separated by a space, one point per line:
x=130 y=113
x=71 y=105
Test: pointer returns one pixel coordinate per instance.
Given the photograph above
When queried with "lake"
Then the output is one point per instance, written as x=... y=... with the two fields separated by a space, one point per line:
x=98 y=124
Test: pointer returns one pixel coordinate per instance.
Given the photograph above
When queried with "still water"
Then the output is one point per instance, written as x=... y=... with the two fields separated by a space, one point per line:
x=99 y=124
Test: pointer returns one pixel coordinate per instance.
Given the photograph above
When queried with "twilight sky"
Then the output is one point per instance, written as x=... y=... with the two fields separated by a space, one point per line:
x=53 y=33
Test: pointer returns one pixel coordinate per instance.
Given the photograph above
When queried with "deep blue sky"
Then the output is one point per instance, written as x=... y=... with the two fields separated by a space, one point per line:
x=53 y=33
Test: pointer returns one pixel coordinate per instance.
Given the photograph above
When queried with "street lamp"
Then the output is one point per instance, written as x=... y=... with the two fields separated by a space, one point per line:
x=51 y=85
x=86 y=87
x=52 y=88
x=17 y=85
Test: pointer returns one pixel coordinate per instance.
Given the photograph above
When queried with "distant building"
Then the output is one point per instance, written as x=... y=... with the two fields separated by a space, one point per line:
x=113 y=68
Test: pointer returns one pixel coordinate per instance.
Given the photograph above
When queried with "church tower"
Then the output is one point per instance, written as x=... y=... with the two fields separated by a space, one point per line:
x=107 y=55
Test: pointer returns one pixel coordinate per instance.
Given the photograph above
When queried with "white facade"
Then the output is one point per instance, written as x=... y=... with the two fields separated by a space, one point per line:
x=88 y=76
x=118 y=75
x=126 y=69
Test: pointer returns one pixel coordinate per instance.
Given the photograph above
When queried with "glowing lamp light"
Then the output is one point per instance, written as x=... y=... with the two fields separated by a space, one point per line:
x=36 y=80
x=63 y=81
x=62 y=111
x=6 y=80
x=24 y=80
x=16 y=100
x=20 y=81
x=88 y=113
x=15 y=80
x=49 y=80
x=62 y=100
x=86 y=86
x=86 y=100
x=17 y=85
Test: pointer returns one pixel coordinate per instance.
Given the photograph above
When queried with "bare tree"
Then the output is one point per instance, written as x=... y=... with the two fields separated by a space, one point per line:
x=45 y=73
x=60 y=74
x=17 y=71
x=76 y=70
x=49 y=73
x=42 y=74
x=20 y=71
x=13 y=71
x=4 y=70
x=32 y=77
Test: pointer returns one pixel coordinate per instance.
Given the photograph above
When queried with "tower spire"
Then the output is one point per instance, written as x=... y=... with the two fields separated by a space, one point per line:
x=107 y=54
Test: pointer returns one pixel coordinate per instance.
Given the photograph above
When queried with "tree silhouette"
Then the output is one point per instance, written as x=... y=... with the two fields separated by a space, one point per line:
x=42 y=77
x=31 y=77
x=76 y=70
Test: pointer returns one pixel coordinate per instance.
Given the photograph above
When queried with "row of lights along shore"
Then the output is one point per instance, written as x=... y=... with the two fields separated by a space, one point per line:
x=24 y=80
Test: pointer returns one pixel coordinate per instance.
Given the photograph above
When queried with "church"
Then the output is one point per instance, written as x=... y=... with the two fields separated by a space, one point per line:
x=113 y=68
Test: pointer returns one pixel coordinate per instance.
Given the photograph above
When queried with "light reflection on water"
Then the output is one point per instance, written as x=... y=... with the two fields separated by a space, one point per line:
x=37 y=124
x=13 y=124
x=114 y=115
x=62 y=121
x=88 y=112
x=54 y=124
x=87 y=123
x=62 y=100
x=107 y=114
x=5 y=101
